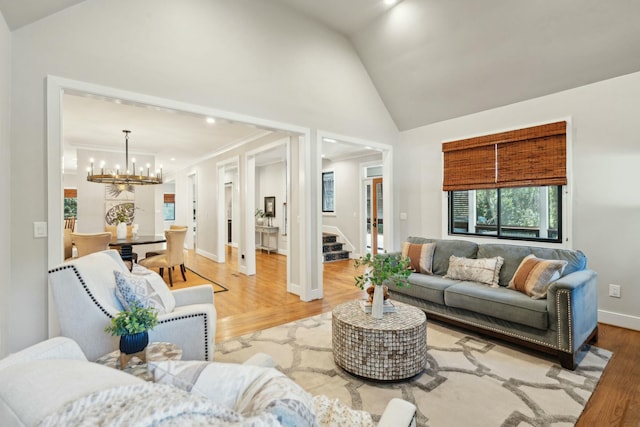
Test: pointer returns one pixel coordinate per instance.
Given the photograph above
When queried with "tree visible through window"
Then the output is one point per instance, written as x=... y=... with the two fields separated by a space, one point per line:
x=529 y=213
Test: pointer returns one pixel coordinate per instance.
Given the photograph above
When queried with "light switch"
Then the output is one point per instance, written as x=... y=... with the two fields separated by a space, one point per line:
x=403 y=216
x=39 y=229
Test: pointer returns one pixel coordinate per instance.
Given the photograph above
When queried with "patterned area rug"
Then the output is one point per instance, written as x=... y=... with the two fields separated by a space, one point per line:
x=470 y=380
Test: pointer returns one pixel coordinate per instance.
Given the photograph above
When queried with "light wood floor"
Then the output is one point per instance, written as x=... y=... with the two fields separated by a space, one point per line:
x=259 y=302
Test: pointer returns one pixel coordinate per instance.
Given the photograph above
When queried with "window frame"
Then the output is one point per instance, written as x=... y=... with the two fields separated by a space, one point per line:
x=560 y=202
x=333 y=193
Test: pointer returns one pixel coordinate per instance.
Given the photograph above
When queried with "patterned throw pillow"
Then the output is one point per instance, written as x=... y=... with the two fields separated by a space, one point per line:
x=145 y=290
x=421 y=256
x=249 y=390
x=534 y=275
x=483 y=270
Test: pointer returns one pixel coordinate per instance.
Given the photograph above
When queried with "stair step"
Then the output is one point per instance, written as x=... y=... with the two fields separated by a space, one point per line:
x=331 y=247
x=336 y=256
x=329 y=238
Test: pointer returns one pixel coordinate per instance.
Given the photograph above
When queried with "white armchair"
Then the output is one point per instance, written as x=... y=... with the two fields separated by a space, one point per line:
x=84 y=299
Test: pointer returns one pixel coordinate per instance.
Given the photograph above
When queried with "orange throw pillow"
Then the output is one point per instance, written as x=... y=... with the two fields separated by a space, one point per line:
x=421 y=256
x=534 y=275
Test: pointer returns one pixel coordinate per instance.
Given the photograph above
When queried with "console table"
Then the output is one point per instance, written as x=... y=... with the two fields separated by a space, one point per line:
x=269 y=232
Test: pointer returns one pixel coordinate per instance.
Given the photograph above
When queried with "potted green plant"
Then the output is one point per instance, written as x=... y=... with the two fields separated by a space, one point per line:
x=121 y=222
x=132 y=326
x=259 y=216
x=381 y=271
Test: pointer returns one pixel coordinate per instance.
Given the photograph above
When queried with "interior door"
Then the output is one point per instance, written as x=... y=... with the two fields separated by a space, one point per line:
x=375 y=228
x=377 y=241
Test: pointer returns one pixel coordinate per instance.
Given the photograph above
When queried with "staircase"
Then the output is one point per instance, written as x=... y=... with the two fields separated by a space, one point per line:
x=332 y=249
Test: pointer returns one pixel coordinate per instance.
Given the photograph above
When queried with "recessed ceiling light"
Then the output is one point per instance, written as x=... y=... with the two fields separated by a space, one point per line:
x=331 y=140
x=390 y=2
x=323 y=156
x=211 y=120
x=173 y=159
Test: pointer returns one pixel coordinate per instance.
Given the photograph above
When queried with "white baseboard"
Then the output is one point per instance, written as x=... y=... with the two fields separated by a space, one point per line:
x=618 y=319
x=212 y=257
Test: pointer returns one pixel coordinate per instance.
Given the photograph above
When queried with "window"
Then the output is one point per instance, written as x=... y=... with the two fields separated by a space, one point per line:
x=70 y=203
x=509 y=184
x=327 y=192
x=527 y=213
x=169 y=207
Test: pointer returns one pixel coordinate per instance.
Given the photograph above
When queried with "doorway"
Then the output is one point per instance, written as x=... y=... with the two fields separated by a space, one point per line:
x=374 y=215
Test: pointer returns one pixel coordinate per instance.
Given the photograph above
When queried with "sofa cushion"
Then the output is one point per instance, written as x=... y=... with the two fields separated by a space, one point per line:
x=423 y=286
x=247 y=389
x=502 y=303
x=513 y=256
x=444 y=249
x=147 y=290
x=482 y=270
x=534 y=275
x=420 y=256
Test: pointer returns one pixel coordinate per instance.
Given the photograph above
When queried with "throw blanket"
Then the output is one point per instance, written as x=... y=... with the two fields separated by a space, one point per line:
x=150 y=404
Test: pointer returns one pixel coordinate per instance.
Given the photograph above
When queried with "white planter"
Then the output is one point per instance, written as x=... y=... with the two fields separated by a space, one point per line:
x=121 y=230
x=377 y=306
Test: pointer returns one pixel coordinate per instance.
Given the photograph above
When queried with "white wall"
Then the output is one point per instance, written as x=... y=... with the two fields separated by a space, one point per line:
x=603 y=181
x=246 y=56
x=5 y=167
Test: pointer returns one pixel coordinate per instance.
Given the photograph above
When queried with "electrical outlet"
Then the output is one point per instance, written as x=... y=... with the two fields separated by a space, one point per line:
x=614 y=291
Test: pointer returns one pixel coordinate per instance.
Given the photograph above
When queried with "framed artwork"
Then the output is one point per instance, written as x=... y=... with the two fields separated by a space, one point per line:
x=119 y=192
x=112 y=207
x=270 y=206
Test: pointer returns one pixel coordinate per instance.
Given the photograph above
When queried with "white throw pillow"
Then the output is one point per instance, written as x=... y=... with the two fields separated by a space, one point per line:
x=148 y=290
x=249 y=390
x=483 y=270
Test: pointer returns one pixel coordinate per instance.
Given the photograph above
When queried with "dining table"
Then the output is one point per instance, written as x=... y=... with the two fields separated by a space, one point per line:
x=126 y=245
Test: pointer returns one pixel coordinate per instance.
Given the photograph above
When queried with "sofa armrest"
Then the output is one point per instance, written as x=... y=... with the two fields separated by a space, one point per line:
x=191 y=327
x=573 y=303
x=201 y=294
x=398 y=413
x=54 y=348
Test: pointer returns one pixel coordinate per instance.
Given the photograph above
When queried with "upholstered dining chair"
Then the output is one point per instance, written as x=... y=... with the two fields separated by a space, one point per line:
x=88 y=243
x=162 y=251
x=173 y=256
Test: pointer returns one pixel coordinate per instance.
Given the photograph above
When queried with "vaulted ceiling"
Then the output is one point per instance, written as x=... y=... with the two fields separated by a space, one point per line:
x=432 y=60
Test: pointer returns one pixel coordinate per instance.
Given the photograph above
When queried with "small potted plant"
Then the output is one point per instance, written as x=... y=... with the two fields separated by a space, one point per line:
x=132 y=326
x=121 y=219
x=259 y=216
x=381 y=271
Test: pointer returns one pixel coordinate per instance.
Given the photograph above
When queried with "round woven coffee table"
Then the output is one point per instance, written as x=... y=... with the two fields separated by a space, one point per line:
x=388 y=349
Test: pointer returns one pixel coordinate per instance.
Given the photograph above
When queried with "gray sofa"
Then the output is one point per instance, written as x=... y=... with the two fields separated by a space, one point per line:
x=559 y=325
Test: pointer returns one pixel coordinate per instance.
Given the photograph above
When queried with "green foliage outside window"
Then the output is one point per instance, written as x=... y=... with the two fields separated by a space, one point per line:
x=70 y=207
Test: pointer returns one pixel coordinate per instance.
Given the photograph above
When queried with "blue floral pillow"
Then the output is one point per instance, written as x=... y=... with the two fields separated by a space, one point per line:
x=141 y=290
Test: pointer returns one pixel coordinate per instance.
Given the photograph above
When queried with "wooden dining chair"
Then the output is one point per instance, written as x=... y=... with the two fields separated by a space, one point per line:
x=70 y=223
x=173 y=256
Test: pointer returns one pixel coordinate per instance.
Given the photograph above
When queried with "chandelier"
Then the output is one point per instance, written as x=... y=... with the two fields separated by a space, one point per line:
x=128 y=176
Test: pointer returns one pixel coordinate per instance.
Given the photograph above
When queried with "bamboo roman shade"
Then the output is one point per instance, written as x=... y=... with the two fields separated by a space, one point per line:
x=169 y=198
x=533 y=156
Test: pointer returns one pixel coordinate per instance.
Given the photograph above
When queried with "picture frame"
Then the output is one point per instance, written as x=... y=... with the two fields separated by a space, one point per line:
x=270 y=206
